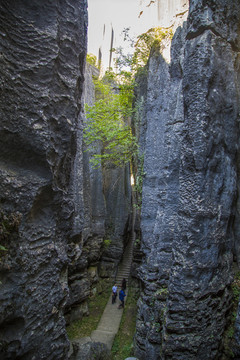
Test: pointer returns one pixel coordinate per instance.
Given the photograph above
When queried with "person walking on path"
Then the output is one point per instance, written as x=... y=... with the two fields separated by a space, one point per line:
x=124 y=284
x=114 y=293
x=121 y=298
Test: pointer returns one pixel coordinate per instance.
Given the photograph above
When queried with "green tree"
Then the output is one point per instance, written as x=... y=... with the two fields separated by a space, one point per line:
x=92 y=59
x=142 y=48
x=108 y=120
x=145 y=42
x=108 y=126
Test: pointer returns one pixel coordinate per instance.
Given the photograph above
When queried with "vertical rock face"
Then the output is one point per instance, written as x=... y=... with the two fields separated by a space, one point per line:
x=117 y=192
x=89 y=227
x=43 y=47
x=189 y=190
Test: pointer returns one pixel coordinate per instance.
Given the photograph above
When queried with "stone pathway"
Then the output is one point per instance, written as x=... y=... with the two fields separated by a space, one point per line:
x=108 y=325
x=110 y=321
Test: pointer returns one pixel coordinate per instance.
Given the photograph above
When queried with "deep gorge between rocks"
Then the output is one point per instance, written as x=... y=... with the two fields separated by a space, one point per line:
x=56 y=210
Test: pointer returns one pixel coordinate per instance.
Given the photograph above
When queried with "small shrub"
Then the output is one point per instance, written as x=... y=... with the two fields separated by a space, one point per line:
x=92 y=59
x=107 y=242
x=230 y=332
x=157 y=327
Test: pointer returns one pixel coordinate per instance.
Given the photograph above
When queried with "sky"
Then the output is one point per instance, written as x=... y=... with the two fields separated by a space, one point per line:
x=117 y=14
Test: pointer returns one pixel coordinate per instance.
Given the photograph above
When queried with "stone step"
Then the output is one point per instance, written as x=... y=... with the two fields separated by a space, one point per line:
x=121 y=273
x=127 y=265
x=124 y=271
x=126 y=262
x=120 y=278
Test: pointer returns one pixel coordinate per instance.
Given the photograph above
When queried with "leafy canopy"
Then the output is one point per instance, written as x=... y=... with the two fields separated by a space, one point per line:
x=142 y=48
x=92 y=59
x=107 y=126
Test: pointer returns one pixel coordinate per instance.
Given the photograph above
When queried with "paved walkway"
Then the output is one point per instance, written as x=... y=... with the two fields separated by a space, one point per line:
x=109 y=323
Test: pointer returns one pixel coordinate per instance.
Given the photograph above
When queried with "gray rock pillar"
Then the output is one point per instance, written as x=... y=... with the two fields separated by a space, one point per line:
x=42 y=56
x=190 y=188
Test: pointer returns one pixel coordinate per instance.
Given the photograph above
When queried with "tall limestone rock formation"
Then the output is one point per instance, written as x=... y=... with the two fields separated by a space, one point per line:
x=43 y=49
x=105 y=205
x=190 y=139
x=85 y=250
x=55 y=209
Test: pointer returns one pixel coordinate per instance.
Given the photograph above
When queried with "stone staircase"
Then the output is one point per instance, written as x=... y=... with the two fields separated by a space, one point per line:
x=124 y=267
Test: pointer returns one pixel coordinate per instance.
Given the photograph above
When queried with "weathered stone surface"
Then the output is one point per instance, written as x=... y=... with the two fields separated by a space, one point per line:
x=43 y=48
x=77 y=312
x=88 y=228
x=189 y=190
x=117 y=192
x=161 y=145
x=90 y=351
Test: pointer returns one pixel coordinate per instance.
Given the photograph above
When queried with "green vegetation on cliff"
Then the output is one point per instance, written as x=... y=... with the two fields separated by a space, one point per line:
x=108 y=126
x=108 y=133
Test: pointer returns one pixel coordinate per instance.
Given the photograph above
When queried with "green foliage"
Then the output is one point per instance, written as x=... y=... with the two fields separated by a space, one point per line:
x=145 y=42
x=107 y=125
x=92 y=59
x=228 y=337
x=9 y=223
x=237 y=276
x=157 y=326
x=137 y=242
x=108 y=120
x=136 y=62
x=236 y=291
x=107 y=242
x=230 y=332
x=162 y=291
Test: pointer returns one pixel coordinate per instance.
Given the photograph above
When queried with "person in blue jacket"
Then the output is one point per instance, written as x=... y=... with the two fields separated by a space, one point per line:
x=121 y=298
